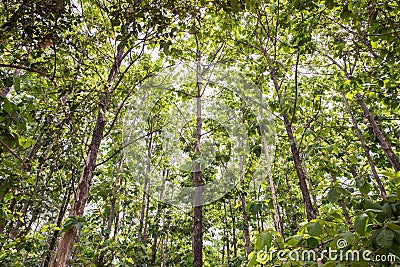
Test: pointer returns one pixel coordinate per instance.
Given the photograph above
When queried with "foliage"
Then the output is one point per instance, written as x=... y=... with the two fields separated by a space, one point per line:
x=310 y=61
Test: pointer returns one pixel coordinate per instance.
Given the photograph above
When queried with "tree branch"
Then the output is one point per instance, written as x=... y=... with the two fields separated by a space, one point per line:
x=14 y=154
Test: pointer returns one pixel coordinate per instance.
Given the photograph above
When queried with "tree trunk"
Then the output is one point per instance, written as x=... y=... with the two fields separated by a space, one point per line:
x=299 y=170
x=277 y=215
x=112 y=213
x=310 y=185
x=60 y=216
x=197 y=243
x=364 y=146
x=246 y=231
x=393 y=159
x=157 y=220
x=234 y=241
x=310 y=212
x=145 y=197
x=344 y=208
x=227 y=241
x=67 y=239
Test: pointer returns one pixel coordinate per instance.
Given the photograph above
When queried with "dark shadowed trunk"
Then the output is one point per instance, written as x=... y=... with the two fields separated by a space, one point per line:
x=197 y=242
x=227 y=240
x=364 y=146
x=60 y=217
x=81 y=195
x=245 y=216
x=156 y=222
x=344 y=208
x=277 y=216
x=393 y=159
x=234 y=241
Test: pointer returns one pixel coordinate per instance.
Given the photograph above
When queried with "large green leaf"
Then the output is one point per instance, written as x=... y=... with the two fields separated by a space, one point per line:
x=385 y=238
x=360 y=224
x=314 y=229
x=263 y=241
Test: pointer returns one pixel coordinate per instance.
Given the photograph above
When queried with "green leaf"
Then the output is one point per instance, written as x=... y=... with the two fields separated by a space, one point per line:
x=369 y=204
x=346 y=13
x=312 y=242
x=385 y=238
x=263 y=240
x=314 y=229
x=365 y=188
x=8 y=82
x=333 y=195
x=360 y=224
x=253 y=259
x=353 y=159
x=348 y=236
x=330 y=4
x=387 y=210
x=7 y=106
x=294 y=240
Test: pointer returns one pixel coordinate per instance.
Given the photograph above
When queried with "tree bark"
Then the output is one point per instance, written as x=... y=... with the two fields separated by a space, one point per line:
x=112 y=213
x=310 y=211
x=311 y=188
x=245 y=216
x=234 y=241
x=197 y=243
x=344 y=208
x=277 y=215
x=227 y=241
x=364 y=146
x=67 y=239
x=157 y=220
x=60 y=216
x=393 y=159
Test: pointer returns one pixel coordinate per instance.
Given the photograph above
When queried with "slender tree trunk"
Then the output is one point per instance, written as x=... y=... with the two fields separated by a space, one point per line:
x=145 y=197
x=60 y=217
x=112 y=213
x=67 y=239
x=165 y=249
x=245 y=216
x=157 y=220
x=227 y=241
x=234 y=241
x=364 y=146
x=197 y=243
x=292 y=223
x=344 y=208
x=277 y=215
x=146 y=218
x=310 y=212
x=393 y=159
x=310 y=185
x=142 y=212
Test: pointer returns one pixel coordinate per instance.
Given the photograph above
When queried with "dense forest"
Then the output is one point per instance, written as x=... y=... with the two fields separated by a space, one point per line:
x=199 y=133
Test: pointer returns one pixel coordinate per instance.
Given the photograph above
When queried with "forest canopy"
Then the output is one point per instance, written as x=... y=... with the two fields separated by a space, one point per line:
x=199 y=133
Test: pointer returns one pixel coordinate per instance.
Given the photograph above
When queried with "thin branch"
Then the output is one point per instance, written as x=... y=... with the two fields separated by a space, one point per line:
x=14 y=154
x=295 y=87
x=48 y=76
x=131 y=142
